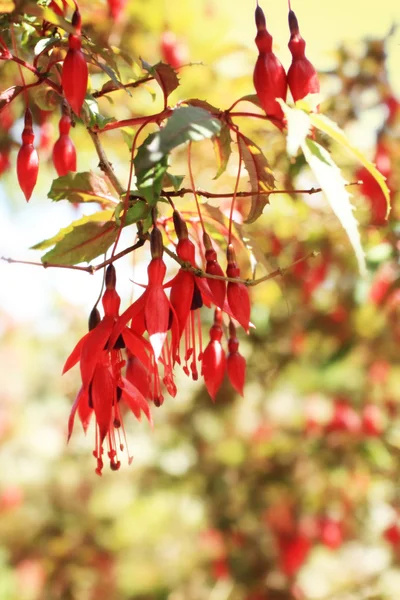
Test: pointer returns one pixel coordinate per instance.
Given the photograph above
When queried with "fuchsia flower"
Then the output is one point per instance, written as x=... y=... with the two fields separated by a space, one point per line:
x=236 y=363
x=154 y=313
x=103 y=385
x=237 y=293
x=188 y=293
x=214 y=362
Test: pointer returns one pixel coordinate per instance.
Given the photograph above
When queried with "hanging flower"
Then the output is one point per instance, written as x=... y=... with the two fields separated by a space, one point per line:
x=103 y=385
x=214 y=362
x=153 y=312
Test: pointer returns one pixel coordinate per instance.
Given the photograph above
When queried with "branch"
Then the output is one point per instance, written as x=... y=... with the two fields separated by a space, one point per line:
x=183 y=191
x=133 y=84
x=105 y=164
x=32 y=69
x=135 y=121
x=89 y=269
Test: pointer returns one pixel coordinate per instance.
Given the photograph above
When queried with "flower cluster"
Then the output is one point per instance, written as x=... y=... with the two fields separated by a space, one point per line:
x=129 y=359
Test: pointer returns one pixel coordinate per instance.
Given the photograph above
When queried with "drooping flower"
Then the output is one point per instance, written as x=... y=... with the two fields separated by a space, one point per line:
x=237 y=293
x=269 y=75
x=188 y=293
x=236 y=363
x=154 y=313
x=27 y=159
x=214 y=362
x=302 y=77
x=217 y=286
x=64 y=153
x=75 y=70
x=103 y=385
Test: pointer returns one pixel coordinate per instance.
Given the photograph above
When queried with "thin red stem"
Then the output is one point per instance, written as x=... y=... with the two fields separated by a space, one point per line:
x=126 y=199
x=14 y=45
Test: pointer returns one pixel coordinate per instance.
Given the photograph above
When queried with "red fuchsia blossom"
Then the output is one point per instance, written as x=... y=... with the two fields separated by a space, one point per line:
x=116 y=9
x=172 y=50
x=154 y=313
x=188 y=293
x=269 y=75
x=214 y=362
x=64 y=153
x=237 y=293
x=75 y=71
x=27 y=159
x=217 y=286
x=104 y=387
x=236 y=363
x=302 y=77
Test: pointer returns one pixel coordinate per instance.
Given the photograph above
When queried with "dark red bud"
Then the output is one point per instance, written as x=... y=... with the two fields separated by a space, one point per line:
x=156 y=243
x=260 y=19
x=77 y=21
x=94 y=318
x=293 y=23
x=180 y=226
x=111 y=278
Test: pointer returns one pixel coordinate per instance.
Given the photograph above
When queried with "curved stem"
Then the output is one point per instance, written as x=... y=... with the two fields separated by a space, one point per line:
x=193 y=186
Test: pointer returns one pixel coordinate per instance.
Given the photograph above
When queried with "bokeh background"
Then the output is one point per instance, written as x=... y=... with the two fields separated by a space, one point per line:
x=289 y=492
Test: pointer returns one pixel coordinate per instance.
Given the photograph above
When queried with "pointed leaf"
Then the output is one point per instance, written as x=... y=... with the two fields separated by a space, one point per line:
x=82 y=187
x=333 y=130
x=187 y=123
x=8 y=95
x=261 y=176
x=298 y=124
x=165 y=76
x=83 y=244
x=331 y=181
x=174 y=181
x=101 y=216
x=203 y=104
x=222 y=148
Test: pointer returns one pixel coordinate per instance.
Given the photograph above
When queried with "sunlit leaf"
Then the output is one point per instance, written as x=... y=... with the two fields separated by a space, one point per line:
x=298 y=125
x=331 y=181
x=261 y=176
x=82 y=187
x=333 y=130
x=222 y=147
x=187 y=123
x=165 y=76
x=102 y=217
x=8 y=95
x=83 y=244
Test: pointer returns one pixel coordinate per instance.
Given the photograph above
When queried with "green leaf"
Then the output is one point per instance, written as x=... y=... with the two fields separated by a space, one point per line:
x=331 y=181
x=187 y=123
x=102 y=216
x=83 y=244
x=261 y=176
x=298 y=124
x=135 y=213
x=222 y=148
x=174 y=181
x=45 y=43
x=165 y=76
x=324 y=124
x=82 y=187
x=94 y=117
x=253 y=98
x=204 y=105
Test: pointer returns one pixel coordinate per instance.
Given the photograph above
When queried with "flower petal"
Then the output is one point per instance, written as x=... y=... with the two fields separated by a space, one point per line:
x=135 y=400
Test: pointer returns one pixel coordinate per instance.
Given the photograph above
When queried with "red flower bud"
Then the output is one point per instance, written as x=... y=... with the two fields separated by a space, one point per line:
x=213 y=364
x=173 y=52
x=27 y=159
x=116 y=8
x=302 y=77
x=64 y=153
x=237 y=293
x=75 y=74
x=217 y=286
x=269 y=75
x=236 y=363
